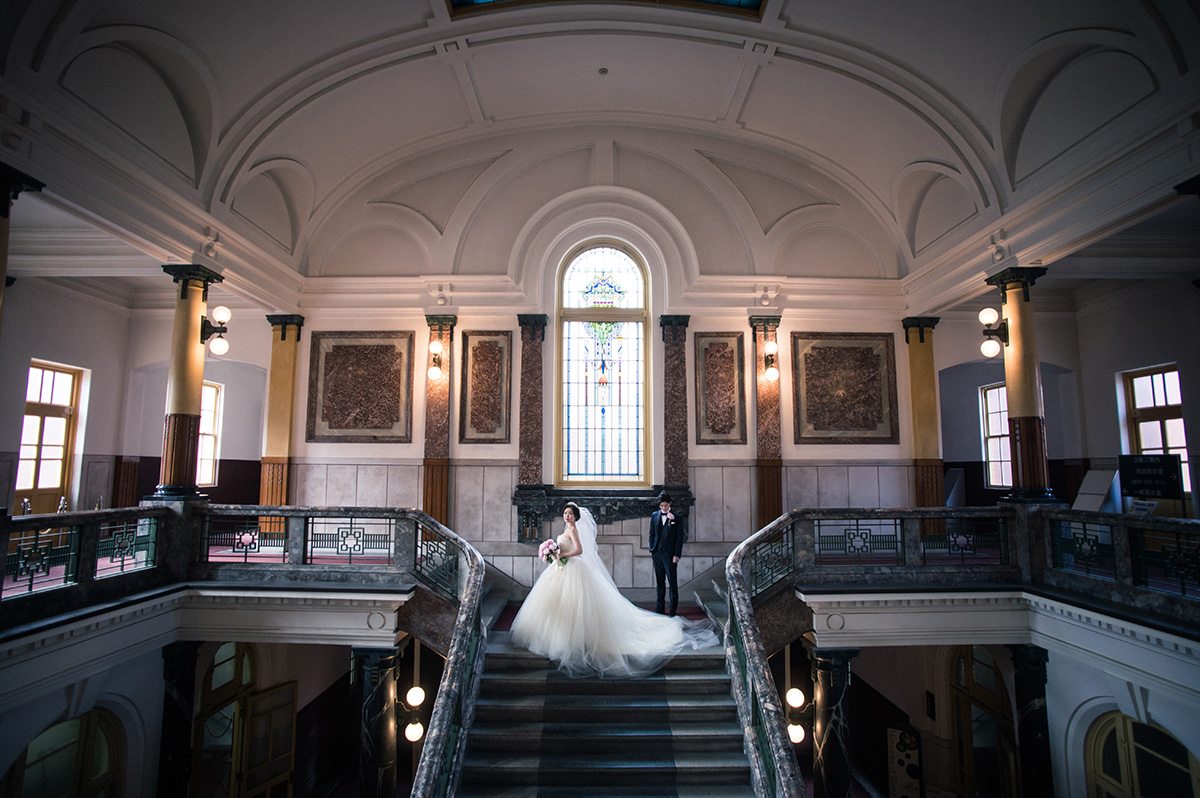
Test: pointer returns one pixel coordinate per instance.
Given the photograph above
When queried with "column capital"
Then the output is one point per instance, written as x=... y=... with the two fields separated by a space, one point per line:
x=442 y=324
x=187 y=272
x=14 y=182
x=536 y=322
x=285 y=320
x=765 y=323
x=673 y=325
x=921 y=323
x=1025 y=276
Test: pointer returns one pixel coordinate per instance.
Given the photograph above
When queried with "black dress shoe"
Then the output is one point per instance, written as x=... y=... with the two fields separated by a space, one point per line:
x=658 y=608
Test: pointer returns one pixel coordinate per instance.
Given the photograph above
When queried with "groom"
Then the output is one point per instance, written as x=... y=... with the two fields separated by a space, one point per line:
x=667 y=536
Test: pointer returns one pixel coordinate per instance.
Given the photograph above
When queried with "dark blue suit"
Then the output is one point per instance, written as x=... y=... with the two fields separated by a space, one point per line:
x=666 y=543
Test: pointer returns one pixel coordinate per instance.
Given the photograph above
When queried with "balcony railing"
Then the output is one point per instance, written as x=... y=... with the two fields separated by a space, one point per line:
x=1149 y=565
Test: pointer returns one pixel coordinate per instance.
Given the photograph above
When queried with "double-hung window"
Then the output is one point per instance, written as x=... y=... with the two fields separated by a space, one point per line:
x=997 y=453
x=1154 y=407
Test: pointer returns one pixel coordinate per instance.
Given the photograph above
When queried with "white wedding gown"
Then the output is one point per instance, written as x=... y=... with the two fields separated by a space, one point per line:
x=575 y=615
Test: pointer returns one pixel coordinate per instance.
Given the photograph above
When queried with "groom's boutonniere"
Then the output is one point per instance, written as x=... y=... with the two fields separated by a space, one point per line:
x=671 y=516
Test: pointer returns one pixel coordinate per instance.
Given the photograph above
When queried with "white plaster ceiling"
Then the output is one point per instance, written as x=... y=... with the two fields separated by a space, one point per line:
x=363 y=151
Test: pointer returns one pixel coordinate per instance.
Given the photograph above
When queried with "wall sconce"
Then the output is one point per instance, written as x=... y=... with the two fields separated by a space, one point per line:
x=995 y=335
x=770 y=354
x=798 y=711
x=435 y=359
x=413 y=699
x=218 y=345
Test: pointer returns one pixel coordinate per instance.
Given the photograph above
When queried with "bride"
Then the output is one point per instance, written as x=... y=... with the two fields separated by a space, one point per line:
x=575 y=615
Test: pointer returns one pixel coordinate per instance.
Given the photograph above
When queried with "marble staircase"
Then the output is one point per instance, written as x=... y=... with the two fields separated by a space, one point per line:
x=539 y=733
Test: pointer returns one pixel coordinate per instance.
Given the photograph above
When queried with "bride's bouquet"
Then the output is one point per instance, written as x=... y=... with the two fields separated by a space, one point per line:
x=548 y=551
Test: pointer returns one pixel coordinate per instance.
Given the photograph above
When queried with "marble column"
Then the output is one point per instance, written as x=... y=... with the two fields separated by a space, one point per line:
x=530 y=428
x=435 y=498
x=769 y=457
x=185 y=378
x=175 y=740
x=831 y=721
x=281 y=399
x=927 y=459
x=1033 y=723
x=1023 y=384
x=675 y=388
x=375 y=673
x=12 y=182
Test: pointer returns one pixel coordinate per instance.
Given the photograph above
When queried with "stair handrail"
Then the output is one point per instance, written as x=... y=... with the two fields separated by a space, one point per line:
x=773 y=764
x=445 y=746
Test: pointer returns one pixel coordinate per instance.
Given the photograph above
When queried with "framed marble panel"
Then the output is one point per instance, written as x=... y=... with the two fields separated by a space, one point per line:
x=360 y=387
x=720 y=388
x=844 y=387
x=484 y=411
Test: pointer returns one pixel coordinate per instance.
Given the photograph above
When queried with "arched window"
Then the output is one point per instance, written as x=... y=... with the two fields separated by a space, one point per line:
x=602 y=330
x=1128 y=759
x=84 y=756
x=985 y=744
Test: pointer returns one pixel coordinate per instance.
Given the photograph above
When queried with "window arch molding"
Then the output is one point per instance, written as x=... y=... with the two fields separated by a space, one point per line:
x=602 y=212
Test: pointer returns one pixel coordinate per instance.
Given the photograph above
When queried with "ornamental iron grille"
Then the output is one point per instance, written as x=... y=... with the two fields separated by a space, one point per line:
x=602 y=383
x=437 y=562
x=858 y=542
x=1084 y=548
x=959 y=541
x=244 y=538
x=40 y=560
x=126 y=546
x=772 y=561
x=365 y=541
x=1168 y=562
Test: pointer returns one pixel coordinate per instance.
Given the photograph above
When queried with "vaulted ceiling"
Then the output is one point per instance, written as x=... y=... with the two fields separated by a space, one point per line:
x=377 y=151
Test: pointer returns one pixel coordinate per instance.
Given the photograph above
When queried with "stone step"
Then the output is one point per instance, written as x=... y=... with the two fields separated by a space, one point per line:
x=649 y=768
x=612 y=737
x=599 y=709
x=596 y=791
x=672 y=682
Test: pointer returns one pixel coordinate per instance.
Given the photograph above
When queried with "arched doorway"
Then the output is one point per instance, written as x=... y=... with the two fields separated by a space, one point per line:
x=985 y=745
x=1130 y=759
x=83 y=756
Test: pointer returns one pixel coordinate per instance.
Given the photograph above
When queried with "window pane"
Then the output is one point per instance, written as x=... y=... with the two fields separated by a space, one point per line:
x=55 y=431
x=63 y=385
x=207 y=447
x=50 y=474
x=33 y=389
x=52 y=453
x=31 y=430
x=1006 y=475
x=1143 y=393
x=1171 y=385
x=1176 y=439
x=206 y=422
x=603 y=277
x=47 y=389
x=29 y=452
x=1150 y=434
x=204 y=473
x=25 y=470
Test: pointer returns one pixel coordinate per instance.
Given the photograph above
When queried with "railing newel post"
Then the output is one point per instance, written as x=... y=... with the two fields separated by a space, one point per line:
x=297 y=527
x=1123 y=548
x=911 y=529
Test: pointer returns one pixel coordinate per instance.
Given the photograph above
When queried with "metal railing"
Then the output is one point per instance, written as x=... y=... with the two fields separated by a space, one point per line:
x=53 y=551
x=1151 y=564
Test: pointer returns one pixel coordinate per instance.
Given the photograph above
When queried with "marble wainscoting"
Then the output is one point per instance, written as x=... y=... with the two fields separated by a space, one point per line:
x=356 y=484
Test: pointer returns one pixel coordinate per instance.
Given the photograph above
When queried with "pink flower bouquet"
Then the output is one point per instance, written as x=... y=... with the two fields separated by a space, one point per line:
x=548 y=551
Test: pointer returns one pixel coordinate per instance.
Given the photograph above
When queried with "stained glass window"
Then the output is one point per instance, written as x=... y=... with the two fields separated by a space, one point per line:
x=602 y=392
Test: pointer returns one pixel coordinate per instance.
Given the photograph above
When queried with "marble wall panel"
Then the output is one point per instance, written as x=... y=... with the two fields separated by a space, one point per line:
x=404 y=486
x=801 y=490
x=738 y=505
x=643 y=572
x=833 y=482
x=341 y=485
x=466 y=490
x=97 y=482
x=309 y=485
x=526 y=569
x=498 y=512
x=864 y=486
x=895 y=489
x=622 y=565
x=708 y=516
x=605 y=550
x=371 y=488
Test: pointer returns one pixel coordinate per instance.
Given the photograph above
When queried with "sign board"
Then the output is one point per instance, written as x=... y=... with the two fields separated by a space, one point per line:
x=1151 y=476
x=904 y=763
